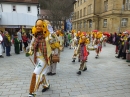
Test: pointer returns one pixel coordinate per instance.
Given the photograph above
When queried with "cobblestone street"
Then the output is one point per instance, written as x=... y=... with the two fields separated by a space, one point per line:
x=105 y=77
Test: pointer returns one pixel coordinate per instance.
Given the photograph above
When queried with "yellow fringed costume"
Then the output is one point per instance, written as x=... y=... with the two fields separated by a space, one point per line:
x=98 y=43
x=82 y=51
x=41 y=49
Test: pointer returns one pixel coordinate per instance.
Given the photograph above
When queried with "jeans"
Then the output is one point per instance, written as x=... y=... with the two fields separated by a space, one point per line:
x=8 y=49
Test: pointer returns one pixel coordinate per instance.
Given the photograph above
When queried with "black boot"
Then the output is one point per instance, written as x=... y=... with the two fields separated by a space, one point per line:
x=96 y=56
x=79 y=72
x=49 y=73
x=79 y=60
x=73 y=60
x=85 y=69
x=45 y=89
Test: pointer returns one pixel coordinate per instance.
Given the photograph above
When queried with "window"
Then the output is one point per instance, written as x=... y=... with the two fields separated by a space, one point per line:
x=89 y=8
x=127 y=4
x=74 y=25
x=85 y=11
x=46 y=17
x=106 y=5
x=29 y=8
x=43 y=17
x=90 y=23
x=80 y=13
x=84 y=0
x=80 y=2
x=84 y=24
x=14 y=8
x=105 y=23
x=74 y=16
x=80 y=25
x=124 y=22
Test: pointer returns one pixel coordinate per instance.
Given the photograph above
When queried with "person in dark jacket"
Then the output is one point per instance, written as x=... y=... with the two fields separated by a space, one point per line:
x=7 y=42
x=122 y=41
x=117 y=41
x=110 y=38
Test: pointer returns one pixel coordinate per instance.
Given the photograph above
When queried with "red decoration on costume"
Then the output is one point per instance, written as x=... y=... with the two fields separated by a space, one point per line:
x=85 y=53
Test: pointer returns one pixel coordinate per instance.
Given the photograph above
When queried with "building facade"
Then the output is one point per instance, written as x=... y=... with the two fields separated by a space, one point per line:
x=18 y=13
x=103 y=15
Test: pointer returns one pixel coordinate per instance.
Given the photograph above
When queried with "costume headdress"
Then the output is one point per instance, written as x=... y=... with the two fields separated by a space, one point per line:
x=83 y=38
x=46 y=28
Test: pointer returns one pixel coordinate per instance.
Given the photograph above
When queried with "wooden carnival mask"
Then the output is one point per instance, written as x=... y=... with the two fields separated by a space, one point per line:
x=39 y=26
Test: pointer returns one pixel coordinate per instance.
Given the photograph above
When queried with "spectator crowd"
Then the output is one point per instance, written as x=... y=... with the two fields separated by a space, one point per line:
x=122 y=45
x=17 y=40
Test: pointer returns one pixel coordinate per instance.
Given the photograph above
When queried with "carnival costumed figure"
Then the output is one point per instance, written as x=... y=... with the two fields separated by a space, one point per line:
x=83 y=52
x=60 y=37
x=55 y=46
x=74 y=41
x=93 y=38
x=41 y=49
x=104 y=40
x=98 y=43
x=77 y=40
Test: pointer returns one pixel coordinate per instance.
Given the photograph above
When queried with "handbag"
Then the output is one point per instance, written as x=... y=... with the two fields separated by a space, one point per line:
x=55 y=58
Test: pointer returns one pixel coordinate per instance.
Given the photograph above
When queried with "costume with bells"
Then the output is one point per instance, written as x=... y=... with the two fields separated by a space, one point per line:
x=82 y=52
x=77 y=36
x=74 y=40
x=60 y=37
x=55 y=46
x=41 y=49
x=98 y=43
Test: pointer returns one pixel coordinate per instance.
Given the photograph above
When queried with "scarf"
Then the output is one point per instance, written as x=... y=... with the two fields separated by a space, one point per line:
x=40 y=44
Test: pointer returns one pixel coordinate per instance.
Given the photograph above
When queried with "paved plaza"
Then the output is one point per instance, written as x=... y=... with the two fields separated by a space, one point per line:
x=105 y=77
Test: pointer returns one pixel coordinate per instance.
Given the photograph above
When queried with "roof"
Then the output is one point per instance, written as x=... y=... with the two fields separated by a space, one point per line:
x=74 y=1
x=20 y=1
x=45 y=12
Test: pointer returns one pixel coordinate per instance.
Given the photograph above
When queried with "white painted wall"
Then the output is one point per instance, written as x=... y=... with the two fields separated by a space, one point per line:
x=20 y=9
x=19 y=17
